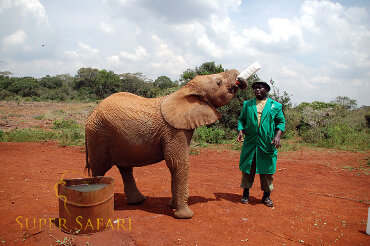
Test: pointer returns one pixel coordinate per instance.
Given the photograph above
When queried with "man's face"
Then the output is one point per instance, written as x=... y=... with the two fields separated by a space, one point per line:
x=260 y=91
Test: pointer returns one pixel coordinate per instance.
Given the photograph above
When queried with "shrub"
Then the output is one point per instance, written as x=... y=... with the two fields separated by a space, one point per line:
x=65 y=124
x=27 y=135
x=211 y=135
x=4 y=94
x=66 y=137
x=340 y=135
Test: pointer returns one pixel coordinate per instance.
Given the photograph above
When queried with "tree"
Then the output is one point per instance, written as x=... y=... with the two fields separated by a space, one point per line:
x=204 y=69
x=85 y=77
x=284 y=99
x=5 y=73
x=163 y=82
x=26 y=87
x=345 y=101
x=106 y=83
x=138 y=84
x=51 y=82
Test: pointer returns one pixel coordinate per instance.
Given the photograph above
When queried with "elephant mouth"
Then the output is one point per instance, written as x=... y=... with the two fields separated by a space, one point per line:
x=233 y=89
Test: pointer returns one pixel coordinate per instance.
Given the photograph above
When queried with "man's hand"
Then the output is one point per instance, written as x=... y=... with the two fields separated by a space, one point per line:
x=240 y=136
x=276 y=140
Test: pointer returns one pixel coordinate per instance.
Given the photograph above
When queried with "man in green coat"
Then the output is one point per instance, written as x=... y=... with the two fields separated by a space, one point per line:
x=262 y=123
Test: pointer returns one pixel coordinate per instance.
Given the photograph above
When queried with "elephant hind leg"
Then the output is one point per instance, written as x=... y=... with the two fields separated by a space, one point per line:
x=98 y=157
x=98 y=165
x=133 y=195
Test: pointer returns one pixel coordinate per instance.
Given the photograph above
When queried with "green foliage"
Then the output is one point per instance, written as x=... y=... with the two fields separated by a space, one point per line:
x=338 y=124
x=212 y=135
x=5 y=82
x=85 y=78
x=27 y=135
x=138 y=84
x=284 y=99
x=4 y=94
x=316 y=105
x=51 y=82
x=65 y=124
x=96 y=84
x=340 y=136
x=25 y=87
x=67 y=132
x=345 y=102
x=204 y=69
x=163 y=82
x=330 y=125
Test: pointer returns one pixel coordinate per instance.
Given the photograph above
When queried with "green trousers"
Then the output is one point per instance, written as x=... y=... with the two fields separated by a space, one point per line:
x=248 y=179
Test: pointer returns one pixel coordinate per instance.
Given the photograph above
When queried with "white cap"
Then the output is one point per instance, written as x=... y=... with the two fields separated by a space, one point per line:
x=252 y=69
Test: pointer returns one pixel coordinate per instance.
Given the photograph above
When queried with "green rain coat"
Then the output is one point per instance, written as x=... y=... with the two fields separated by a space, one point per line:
x=257 y=140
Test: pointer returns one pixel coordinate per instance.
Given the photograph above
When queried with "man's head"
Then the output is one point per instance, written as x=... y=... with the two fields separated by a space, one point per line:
x=260 y=89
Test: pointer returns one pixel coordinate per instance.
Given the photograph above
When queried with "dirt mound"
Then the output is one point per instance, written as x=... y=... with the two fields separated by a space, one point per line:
x=321 y=197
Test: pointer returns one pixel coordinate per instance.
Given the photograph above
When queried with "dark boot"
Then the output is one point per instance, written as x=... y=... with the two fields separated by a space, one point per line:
x=267 y=200
x=245 y=197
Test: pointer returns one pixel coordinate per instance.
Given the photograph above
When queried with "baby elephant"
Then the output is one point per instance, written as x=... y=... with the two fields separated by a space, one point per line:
x=131 y=131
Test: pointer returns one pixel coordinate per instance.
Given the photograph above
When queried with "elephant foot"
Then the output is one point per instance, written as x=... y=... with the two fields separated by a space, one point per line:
x=135 y=199
x=183 y=213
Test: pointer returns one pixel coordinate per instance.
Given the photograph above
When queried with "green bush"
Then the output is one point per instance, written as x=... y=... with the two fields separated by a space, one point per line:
x=4 y=94
x=27 y=135
x=211 y=135
x=66 y=137
x=340 y=136
x=2 y=133
x=72 y=137
x=65 y=124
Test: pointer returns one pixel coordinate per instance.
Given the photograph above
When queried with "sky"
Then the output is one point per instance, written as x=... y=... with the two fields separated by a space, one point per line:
x=314 y=50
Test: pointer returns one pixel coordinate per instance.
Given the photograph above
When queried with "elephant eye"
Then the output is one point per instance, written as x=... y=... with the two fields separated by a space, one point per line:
x=219 y=82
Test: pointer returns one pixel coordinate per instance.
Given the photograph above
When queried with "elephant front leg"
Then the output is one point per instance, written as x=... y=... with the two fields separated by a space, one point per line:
x=179 y=188
x=133 y=195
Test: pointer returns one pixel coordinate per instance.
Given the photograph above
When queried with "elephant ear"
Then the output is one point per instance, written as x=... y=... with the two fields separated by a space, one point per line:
x=184 y=110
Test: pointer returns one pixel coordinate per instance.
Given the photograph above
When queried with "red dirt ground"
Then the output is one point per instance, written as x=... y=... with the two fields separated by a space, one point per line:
x=321 y=198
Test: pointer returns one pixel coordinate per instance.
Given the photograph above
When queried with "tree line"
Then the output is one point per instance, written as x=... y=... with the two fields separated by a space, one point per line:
x=328 y=124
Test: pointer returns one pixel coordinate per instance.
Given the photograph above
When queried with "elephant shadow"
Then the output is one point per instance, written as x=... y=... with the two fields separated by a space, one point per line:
x=156 y=205
x=235 y=198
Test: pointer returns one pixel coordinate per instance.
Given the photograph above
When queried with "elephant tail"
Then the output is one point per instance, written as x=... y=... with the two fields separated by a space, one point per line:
x=87 y=167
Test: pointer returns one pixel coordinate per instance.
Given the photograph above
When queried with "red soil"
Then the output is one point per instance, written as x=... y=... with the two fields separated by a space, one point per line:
x=321 y=197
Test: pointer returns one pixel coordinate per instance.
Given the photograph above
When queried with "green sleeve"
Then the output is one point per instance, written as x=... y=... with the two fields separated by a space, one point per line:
x=242 y=118
x=280 y=120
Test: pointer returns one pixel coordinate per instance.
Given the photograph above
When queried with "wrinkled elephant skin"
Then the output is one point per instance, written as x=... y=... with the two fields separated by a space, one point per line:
x=131 y=131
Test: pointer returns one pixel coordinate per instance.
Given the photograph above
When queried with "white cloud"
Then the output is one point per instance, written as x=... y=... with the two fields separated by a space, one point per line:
x=205 y=43
x=167 y=59
x=87 y=49
x=15 y=39
x=71 y=54
x=139 y=54
x=283 y=30
x=358 y=83
x=107 y=28
x=113 y=59
x=83 y=52
x=33 y=7
x=313 y=45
